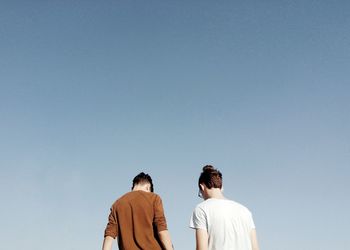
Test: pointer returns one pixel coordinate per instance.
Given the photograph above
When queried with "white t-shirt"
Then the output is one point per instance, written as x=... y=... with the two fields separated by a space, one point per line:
x=227 y=222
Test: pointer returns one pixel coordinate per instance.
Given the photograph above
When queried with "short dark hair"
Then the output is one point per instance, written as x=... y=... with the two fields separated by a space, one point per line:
x=210 y=177
x=142 y=178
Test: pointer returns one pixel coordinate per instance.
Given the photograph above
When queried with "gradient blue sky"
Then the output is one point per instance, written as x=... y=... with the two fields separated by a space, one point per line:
x=93 y=92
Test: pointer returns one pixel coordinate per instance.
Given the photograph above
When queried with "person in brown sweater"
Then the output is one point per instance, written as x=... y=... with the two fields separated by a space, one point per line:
x=137 y=219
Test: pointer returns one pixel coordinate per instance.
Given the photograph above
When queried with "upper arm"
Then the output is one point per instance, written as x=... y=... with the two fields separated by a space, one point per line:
x=159 y=217
x=198 y=219
x=254 y=239
x=199 y=223
x=201 y=239
x=112 y=226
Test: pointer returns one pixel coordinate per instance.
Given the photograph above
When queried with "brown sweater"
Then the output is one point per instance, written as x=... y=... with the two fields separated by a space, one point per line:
x=135 y=219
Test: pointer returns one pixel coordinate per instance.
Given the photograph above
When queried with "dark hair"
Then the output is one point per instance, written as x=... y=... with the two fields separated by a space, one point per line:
x=210 y=177
x=142 y=178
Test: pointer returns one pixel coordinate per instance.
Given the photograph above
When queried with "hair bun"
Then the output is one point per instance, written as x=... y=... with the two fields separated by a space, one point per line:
x=208 y=168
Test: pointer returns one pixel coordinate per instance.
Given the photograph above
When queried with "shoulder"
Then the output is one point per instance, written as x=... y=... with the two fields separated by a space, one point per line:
x=203 y=206
x=156 y=198
x=125 y=198
x=150 y=195
x=243 y=209
x=121 y=199
x=153 y=197
x=134 y=196
x=212 y=202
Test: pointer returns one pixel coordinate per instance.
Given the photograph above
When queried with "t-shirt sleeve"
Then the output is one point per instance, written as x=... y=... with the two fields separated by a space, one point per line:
x=250 y=221
x=159 y=220
x=198 y=219
x=112 y=225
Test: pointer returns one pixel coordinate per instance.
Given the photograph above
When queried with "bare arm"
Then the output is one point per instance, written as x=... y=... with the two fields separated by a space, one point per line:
x=254 y=240
x=107 y=243
x=164 y=237
x=201 y=239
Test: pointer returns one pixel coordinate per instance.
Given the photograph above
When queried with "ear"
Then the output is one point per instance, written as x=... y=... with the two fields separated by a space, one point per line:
x=201 y=187
x=148 y=187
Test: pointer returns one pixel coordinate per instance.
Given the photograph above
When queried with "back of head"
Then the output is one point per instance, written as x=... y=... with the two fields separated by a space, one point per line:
x=142 y=178
x=210 y=177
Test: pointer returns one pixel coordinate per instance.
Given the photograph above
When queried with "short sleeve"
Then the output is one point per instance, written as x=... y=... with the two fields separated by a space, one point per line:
x=112 y=225
x=250 y=221
x=198 y=219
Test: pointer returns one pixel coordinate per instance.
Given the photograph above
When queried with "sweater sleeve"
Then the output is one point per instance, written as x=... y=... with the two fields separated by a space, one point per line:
x=112 y=225
x=159 y=218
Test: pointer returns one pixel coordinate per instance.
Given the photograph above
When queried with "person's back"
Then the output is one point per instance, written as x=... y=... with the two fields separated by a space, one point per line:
x=228 y=224
x=139 y=215
x=221 y=224
x=137 y=219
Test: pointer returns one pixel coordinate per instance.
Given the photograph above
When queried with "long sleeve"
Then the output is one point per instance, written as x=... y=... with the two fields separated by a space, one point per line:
x=159 y=218
x=112 y=225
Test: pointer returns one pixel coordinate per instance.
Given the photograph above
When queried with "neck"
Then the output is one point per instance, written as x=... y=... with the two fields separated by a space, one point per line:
x=140 y=188
x=215 y=193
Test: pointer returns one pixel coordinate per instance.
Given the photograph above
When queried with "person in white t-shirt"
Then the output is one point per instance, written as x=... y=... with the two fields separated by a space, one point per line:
x=221 y=224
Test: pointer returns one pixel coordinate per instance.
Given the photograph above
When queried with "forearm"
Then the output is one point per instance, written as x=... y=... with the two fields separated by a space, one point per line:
x=107 y=243
x=201 y=239
x=254 y=240
x=164 y=237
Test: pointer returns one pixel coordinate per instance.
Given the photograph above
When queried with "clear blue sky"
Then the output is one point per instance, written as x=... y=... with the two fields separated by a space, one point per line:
x=94 y=92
